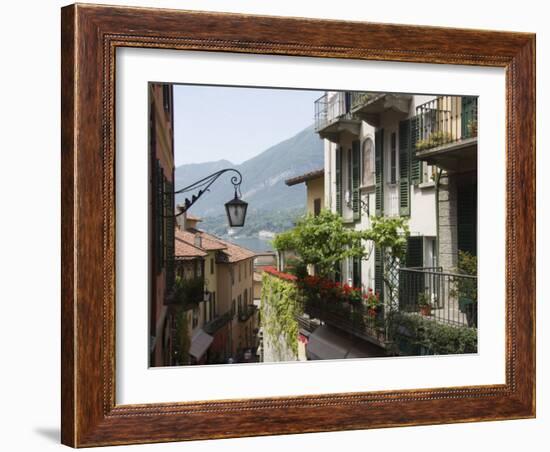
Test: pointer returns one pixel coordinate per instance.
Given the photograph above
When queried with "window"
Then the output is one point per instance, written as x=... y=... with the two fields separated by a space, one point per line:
x=415 y=251
x=368 y=162
x=356 y=179
x=338 y=180
x=195 y=317
x=393 y=159
x=350 y=178
x=199 y=268
x=166 y=98
x=245 y=297
x=316 y=206
x=212 y=266
x=356 y=271
x=240 y=272
x=232 y=273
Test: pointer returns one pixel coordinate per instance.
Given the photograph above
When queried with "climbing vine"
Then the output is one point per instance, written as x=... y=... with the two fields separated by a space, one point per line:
x=182 y=341
x=281 y=302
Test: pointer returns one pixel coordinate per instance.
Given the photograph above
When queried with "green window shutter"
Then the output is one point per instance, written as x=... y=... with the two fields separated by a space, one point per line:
x=404 y=168
x=338 y=272
x=339 y=181
x=469 y=117
x=356 y=272
x=416 y=165
x=379 y=172
x=393 y=158
x=378 y=272
x=159 y=216
x=415 y=251
x=356 y=179
x=170 y=233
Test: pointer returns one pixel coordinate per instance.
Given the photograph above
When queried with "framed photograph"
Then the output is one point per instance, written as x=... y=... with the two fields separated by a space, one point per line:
x=282 y=225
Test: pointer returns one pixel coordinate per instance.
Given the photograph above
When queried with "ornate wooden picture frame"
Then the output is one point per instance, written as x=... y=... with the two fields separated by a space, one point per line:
x=90 y=37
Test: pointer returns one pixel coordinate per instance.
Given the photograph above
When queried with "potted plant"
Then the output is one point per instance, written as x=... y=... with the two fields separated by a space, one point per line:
x=353 y=294
x=471 y=128
x=372 y=302
x=424 y=304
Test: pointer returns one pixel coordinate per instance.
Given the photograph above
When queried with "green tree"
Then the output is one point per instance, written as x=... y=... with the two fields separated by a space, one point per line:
x=390 y=234
x=321 y=241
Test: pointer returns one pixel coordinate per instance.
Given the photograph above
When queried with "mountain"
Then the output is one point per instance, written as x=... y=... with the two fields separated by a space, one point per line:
x=263 y=184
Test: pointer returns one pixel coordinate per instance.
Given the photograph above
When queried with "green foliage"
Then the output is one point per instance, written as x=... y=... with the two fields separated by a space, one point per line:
x=182 y=341
x=423 y=299
x=389 y=233
x=188 y=292
x=471 y=128
x=434 y=139
x=466 y=288
x=281 y=303
x=296 y=267
x=322 y=241
x=467 y=263
x=411 y=331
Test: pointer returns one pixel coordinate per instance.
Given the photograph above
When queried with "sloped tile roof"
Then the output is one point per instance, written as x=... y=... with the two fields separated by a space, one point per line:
x=209 y=242
x=305 y=177
x=184 y=249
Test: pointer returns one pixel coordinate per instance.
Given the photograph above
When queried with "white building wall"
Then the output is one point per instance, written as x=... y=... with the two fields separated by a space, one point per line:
x=367 y=195
x=422 y=220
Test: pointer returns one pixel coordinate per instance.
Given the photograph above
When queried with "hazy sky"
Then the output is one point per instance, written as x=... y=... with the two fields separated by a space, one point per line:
x=214 y=123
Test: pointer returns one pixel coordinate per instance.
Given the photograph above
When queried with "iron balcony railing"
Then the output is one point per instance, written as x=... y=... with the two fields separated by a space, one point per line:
x=187 y=293
x=246 y=312
x=353 y=318
x=359 y=98
x=445 y=120
x=330 y=107
x=218 y=322
x=306 y=324
x=449 y=298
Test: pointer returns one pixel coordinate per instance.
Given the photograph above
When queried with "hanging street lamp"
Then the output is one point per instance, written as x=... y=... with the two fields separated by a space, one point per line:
x=235 y=208
x=236 y=211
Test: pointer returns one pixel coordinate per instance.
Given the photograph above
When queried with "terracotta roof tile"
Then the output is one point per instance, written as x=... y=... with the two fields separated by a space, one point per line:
x=209 y=242
x=305 y=177
x=184 y=249
x=235 y=253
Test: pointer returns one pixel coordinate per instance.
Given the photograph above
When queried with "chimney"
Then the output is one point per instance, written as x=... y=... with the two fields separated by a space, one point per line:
x=185 y=220
x=180 y=219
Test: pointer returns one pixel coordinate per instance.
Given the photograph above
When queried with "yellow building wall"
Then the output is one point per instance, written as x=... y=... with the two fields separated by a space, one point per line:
x=243 y=281
x=315 y=190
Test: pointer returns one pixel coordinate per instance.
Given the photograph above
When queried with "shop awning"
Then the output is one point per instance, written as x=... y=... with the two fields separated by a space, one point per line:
x=327 y=342
x=199 y=344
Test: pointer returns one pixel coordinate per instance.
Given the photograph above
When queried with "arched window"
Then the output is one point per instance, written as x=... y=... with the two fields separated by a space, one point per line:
x=368 y=162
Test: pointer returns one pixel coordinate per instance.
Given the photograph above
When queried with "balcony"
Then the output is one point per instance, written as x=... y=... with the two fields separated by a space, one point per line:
x=187 y=293
x=351 y=318
x=449 y=298
x=369 y=106
x=218 y=322
x=246 y=312
x=333 y=116
x=447 y=132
